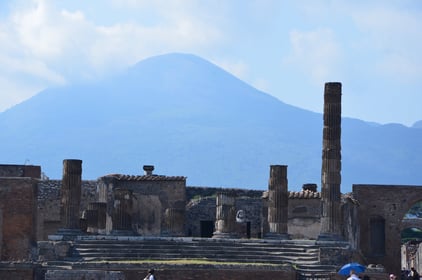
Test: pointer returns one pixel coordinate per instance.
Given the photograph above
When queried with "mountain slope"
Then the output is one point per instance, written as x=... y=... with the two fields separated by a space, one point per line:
x=189 y=117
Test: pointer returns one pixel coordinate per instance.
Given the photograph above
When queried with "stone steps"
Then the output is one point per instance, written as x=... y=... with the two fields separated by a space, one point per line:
x=315 y=271
x=220 y=251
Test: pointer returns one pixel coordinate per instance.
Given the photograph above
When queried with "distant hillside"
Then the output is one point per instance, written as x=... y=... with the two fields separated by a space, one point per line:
x=417 y=124
x=189 y=117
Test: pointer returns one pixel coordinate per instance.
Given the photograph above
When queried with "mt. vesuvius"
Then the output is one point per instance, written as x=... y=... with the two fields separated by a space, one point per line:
x=189 y=117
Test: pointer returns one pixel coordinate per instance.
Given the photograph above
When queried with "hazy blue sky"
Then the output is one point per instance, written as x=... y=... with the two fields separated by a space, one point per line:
x=286 y=48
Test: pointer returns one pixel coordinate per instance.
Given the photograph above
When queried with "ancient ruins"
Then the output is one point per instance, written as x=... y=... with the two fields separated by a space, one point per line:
x=118 y=226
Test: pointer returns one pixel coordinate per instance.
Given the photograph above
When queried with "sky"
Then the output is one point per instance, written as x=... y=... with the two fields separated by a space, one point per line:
x=286 y=48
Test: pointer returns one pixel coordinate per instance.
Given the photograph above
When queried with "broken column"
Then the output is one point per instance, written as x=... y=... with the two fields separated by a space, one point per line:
x=225 y=215
x=331 y=164
x=71 y=197
x=96 y=217
x=174 y=218
x=278 y=198
x=122 y=212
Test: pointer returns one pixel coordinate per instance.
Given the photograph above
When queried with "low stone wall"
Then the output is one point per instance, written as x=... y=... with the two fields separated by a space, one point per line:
x=16 y=271
x=188 y=271
x=220 y=274
x=84 y=275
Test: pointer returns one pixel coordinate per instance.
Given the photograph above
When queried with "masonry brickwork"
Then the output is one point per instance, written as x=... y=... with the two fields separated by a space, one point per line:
x=17 y=218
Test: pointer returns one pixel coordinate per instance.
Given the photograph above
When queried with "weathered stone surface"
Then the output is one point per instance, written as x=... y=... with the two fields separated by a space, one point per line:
x=18 y=218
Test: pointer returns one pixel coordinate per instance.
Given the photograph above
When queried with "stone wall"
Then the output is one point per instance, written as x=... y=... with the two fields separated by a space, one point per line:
x=220 y=274
x=202 y=210
x=152 y=199
x=83 y=275
x=196 y=192
x=304 y=217
x=11 y=170
x=17 y=271
x=49 y=205
x=17 y=217
x=381 y=211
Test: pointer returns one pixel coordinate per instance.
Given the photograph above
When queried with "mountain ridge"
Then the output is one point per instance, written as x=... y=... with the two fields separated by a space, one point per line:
x=189 y=117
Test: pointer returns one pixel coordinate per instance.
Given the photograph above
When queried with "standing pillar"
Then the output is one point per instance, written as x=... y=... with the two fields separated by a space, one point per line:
x=175 y=219
x=331 y=164
x=278 y=199
x=225 y=215
x=71 y=197
x=122 y=217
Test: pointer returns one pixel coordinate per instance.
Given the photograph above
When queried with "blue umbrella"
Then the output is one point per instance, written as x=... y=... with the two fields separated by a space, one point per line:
x=356 y=267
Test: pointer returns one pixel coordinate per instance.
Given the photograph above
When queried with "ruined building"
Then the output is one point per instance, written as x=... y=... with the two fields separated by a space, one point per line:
x=74 y=228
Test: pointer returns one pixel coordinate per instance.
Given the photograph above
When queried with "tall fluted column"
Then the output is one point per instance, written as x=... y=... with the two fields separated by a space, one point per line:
x=225 y=215
x=331 y=164
x=278 y=198
x=71 y=192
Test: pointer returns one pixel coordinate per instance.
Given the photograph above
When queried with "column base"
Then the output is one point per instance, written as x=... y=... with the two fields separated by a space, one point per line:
x=329 y=237
x=66 y=234
x=122 y=232
x=224 y=235
x=277 y=236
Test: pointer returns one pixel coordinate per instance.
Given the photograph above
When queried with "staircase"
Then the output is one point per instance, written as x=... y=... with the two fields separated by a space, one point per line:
x=304 y=253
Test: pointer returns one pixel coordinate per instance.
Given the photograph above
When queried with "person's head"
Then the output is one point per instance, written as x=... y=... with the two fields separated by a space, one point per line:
x=352 y=272
x=393 y=277
x=151 y=271
x=412 y=269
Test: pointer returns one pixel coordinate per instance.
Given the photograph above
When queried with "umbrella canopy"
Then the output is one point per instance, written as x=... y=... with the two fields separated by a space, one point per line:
x=356 y=267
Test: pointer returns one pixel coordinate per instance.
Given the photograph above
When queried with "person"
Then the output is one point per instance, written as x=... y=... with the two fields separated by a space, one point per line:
x=393 y=277
x=353 y=275
x=150 y=275
x=414 y=274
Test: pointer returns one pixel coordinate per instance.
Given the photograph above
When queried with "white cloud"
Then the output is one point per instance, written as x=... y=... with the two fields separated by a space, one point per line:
x=13 y=92
x=316 y=53
x=54 y=45
x=393 y=35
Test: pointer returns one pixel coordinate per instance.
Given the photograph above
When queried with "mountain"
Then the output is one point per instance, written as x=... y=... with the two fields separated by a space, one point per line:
x=189 y=117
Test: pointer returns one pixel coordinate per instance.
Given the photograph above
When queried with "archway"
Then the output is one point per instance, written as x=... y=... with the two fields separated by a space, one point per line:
x=411 y=238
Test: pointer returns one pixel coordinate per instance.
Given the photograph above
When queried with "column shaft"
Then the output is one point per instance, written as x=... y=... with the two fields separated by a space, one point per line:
x=331 y=164
x=71 y=192
x=278 y=199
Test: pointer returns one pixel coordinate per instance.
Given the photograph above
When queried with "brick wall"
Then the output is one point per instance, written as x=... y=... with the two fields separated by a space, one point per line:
x=18 y=208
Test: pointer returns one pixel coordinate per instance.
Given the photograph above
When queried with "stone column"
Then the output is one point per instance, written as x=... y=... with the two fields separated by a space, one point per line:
x=175 y=218
x=265 y=228
x=278 y=199
x=71 y=198
x=331 y=164
x=122 y=220
x=225 y=215
x=96 y=217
